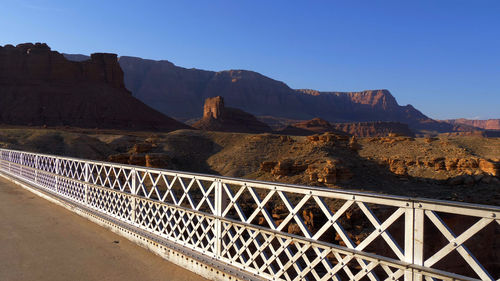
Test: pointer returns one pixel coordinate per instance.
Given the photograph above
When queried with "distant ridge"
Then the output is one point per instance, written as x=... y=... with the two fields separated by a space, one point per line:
x=490 y=124
x=181 y=92
x=361 y=129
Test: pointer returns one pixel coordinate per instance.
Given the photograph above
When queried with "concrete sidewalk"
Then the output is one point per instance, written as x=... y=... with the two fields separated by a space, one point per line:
x=42 y=241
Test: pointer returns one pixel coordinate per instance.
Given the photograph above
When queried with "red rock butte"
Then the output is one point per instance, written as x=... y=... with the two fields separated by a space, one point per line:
x=217 y=117
x=41 y=87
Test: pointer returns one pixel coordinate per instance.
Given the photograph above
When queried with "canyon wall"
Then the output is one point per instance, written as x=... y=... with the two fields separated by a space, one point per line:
x=39 y=87
x=490 y=124
x=181 y=92
x=162 y=84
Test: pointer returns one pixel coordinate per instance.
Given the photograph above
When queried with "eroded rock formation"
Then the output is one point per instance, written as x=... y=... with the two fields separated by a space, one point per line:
x=363 y=129
x=217 y=117
x=490 y=124
x=310 y=127
x=39 y=86
x=161 y=83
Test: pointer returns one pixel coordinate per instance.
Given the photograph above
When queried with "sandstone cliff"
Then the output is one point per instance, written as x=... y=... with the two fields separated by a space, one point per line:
x=161 y=84
x=310 y=127
x=490 y=124
x=39 y=86
x=217 y=117
x=180 y=92
x=360 y=129
x=374 y=129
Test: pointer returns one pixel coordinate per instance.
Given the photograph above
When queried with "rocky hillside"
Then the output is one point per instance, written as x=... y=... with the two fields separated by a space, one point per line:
x=217 y=117
x=39 y=86
x=310 y=127
x=358 y=129
x=490 y=124
x=374 y=129
x=452 y=168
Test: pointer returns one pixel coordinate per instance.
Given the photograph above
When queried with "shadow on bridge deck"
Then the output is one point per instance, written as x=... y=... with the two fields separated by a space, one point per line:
x=42 y=241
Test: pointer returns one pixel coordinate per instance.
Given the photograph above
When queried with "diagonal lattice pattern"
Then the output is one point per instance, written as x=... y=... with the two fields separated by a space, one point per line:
x=110 y=202
x=280 y=232
x=191 y=229
x=282 y=257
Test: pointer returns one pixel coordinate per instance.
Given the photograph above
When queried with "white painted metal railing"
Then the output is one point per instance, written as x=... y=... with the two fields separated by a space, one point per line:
x=280 y=231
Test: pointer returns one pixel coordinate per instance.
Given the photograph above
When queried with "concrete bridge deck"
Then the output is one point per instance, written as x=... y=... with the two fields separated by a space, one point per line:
x=42 y=241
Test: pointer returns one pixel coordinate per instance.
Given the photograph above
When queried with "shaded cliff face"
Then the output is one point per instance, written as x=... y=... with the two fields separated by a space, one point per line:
x=490 y=124
x=217 y=117
x=161 y=84
x=374 y=129
x=360 y=129
x=39 y=86
x=173 y=90
x=310 y=127
x=37 y=64
x=180 y=92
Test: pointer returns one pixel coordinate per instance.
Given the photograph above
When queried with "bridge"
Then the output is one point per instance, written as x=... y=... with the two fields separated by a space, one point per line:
x=236 y=229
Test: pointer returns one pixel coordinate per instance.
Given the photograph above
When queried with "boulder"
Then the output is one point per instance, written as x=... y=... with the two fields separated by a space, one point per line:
x=489 y=167
x=158 y=160
x=288 y=167
x=119 y=158
x=267 y=166
x=141 y=147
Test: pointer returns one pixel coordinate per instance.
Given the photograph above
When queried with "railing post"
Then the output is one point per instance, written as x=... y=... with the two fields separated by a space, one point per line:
x=86 y=179
x=10 y=161
x=133 y=191
x=2 y=161
x=418 y=238
x=221 y=202
x=36 y=168
x=218 y=222
x=409 y=239
x=21 y=161
x=56 y=172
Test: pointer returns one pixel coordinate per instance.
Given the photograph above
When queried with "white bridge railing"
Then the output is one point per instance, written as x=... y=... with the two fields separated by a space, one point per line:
x=280 y=231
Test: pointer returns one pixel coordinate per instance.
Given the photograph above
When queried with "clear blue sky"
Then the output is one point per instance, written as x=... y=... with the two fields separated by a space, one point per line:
x=441 y=56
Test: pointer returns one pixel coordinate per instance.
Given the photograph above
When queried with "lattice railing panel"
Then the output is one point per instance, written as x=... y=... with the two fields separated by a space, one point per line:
x=279 y=231
x=191 y=229
x=111 y=176
x=115 y=204
x=196 y=193
x=29 y=160
x=286 y=258
x=47 y=180
x=348 y=220
x=71 y=189
x=463 y=240
x=47 y=163
x=29 y=173
x=74 y=169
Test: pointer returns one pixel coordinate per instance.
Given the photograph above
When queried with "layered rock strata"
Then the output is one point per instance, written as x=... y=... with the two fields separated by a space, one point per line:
x=217 y=117
x=39 y=87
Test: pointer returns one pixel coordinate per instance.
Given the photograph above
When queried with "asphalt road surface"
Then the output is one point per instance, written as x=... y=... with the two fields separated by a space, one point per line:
x=43 y=241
